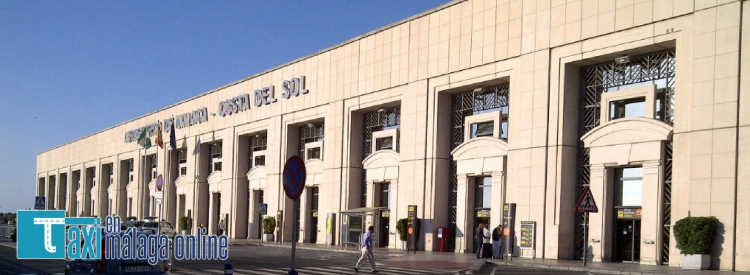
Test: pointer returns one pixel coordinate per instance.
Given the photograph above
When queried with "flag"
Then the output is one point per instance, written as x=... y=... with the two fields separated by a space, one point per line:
x=143 y=140
x=172 y=138
x=159 y=141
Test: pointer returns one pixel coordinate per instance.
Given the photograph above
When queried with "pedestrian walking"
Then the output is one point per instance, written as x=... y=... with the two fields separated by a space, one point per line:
x=496 y=233
x=221 y=227
x=367 y=250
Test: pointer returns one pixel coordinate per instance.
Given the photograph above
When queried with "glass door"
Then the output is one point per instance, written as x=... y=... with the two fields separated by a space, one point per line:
x=627 y=243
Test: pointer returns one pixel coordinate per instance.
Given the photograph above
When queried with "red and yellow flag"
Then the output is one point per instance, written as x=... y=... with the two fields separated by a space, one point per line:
x=159 y=140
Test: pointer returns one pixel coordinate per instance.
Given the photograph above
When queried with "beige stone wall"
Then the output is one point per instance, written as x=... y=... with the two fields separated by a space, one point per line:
x=537 y=46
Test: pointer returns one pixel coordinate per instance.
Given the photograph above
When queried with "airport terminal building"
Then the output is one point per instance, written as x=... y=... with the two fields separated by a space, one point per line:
x=460 y=111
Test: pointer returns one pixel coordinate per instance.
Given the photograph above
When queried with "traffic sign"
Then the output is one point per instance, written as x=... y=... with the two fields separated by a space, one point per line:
x=263 y=208
x=295 y=175
x=586 y=203
x=159 y=182
x=40 y=203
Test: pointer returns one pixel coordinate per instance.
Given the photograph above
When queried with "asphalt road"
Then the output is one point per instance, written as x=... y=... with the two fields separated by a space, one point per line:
x=247 y=259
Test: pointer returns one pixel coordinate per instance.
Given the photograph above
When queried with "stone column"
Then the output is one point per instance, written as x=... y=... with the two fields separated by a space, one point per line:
x=498 y=199
x=651 y=211
x=464 y=234
x=596 y=228
x=304 y=208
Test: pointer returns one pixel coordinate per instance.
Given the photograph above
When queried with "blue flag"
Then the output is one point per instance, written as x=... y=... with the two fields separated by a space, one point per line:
x=172 y=138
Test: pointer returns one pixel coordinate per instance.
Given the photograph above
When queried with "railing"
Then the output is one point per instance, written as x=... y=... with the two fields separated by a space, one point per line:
x=6 y=230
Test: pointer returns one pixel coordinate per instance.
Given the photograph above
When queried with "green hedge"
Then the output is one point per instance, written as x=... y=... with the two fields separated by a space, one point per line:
x=183 y=223
x=695 y=235
x=269 y=224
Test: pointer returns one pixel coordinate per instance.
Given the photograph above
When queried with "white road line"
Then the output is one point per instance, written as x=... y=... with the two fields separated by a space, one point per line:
x=493 y=270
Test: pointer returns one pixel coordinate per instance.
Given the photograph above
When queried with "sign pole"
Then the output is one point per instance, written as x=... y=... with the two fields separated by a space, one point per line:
x=585 y=237
x=295 y=230
x=294 y=178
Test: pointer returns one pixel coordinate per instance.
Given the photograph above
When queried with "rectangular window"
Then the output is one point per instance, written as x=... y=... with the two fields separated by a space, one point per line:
x=217 y=166
x=260 y=160
x=482 y=129
x=313 y=153
x=632 y=107
x=315 y=195
x=183 y=171
x=483 y=192
x=385 y=198
x=384 y=143
x=629 y=186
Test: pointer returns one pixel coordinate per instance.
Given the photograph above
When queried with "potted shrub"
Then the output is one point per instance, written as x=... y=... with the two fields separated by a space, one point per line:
x=402 y=226
x=183 y=225
x=695 y=236
x=269 y=224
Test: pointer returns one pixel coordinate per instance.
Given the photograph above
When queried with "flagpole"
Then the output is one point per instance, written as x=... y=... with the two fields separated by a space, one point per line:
x=163 y=183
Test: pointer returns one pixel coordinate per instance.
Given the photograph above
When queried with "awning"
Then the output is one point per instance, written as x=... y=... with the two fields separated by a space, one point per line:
x=363 y=210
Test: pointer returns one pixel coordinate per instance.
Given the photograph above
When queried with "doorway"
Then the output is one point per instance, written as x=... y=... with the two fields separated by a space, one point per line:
x=313 y=226
x=385 y=221
x=383 y=197
x=628 y=200
x=627 y=245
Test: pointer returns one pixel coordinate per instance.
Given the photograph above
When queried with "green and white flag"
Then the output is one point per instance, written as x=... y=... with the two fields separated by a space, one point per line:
x=143 y=140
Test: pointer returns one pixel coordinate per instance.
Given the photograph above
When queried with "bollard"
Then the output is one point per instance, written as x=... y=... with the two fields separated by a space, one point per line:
x=292 y=272
x=228 y=269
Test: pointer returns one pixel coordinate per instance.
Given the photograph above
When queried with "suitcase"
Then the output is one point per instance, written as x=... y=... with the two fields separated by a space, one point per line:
x=487 y=251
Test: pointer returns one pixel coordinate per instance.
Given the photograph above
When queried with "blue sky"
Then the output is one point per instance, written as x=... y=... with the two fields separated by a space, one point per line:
x=72 y=68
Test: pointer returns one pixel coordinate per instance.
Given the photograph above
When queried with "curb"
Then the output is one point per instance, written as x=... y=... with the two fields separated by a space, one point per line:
x=579 y=269
x=474 y=269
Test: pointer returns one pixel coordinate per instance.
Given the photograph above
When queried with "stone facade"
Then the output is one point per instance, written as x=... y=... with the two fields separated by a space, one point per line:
x=522 y=102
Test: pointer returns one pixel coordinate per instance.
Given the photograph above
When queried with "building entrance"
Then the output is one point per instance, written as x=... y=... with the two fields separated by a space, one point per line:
x=627 y=244
x=384 y=228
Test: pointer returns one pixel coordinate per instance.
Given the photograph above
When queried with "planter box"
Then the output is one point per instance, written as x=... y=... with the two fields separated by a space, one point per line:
x=694 y=261
x=268 y=237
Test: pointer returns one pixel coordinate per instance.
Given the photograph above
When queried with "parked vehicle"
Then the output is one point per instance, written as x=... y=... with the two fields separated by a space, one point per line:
x=114 y=266
x=137 y=224
x=163 y=228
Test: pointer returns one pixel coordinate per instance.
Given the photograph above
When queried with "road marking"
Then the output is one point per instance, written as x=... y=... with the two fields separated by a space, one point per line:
x=348 y=270
x=493 y=271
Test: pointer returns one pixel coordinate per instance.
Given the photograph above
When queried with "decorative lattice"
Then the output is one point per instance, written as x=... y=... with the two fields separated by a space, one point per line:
x=309 y=134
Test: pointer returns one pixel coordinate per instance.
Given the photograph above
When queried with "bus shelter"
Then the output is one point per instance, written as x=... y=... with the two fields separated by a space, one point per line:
x=354 y=223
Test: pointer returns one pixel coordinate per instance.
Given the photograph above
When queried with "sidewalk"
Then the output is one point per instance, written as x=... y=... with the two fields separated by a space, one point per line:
x=391 y=257
x=467 y=263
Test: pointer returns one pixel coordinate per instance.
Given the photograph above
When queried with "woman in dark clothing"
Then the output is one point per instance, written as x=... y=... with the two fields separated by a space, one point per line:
x=496 y=233
x=479 y=240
